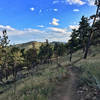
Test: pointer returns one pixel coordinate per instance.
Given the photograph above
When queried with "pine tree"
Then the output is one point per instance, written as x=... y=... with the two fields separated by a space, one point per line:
x=31 y=57
x=73 y=43
x=4 y=53
x=45 y=52
x=15 y=60
x=59 y=50
x=83 y=30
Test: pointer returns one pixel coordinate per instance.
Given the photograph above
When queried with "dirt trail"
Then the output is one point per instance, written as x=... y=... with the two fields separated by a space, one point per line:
x=66 y=90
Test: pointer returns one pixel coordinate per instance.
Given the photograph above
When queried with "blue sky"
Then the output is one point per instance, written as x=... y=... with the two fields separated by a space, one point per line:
x=37 y=20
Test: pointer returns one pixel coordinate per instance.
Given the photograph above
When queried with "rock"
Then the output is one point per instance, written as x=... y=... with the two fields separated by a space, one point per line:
x=85 y=89
x=94 y=98
x=80 y=92
x=82 y=99
x=95 y=93
x=88 y=96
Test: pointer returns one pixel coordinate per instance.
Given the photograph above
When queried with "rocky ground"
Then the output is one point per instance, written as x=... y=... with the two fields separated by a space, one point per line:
x=71 y=89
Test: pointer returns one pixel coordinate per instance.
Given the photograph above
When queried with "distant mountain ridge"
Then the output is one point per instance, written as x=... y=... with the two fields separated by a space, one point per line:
x=29 y=45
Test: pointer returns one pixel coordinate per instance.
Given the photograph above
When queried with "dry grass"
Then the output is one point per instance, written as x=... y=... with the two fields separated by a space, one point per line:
x=41 y=85
x=38 y=86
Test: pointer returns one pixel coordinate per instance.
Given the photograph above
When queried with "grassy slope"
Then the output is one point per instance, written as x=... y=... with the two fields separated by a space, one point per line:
x=91 y=66
x=38 y=86
x=42 y=83
x=28 y=45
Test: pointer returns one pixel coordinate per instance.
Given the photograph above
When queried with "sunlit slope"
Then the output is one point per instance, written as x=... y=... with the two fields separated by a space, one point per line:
x=29 y=45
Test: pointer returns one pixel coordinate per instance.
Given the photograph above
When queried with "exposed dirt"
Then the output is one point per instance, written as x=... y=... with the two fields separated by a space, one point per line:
x=66 y=90
x=71 y=89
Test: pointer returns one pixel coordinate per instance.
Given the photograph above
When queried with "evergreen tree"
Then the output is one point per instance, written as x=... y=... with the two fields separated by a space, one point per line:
x=59 y=50
x=4 y=53
x=45 y=52
x=73 y=43
x=16 y=59
x=31 y=57
x=83 y=30
x=96 y=30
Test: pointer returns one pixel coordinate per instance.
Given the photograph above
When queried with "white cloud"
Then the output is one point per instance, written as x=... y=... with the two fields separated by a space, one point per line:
x=55 y=1
x=12 y=31
x=7 y=27
x=32 y=9
x=59 y=30
x=80 y=2
x=73 y=26
x=41 y=26
x=30 y=34
x=30 y=30
x=55 y=10
x=58 y=34
x=40 y=10
x=59 y=1
x=91 y=2
x=55 y=22
x=76 y=10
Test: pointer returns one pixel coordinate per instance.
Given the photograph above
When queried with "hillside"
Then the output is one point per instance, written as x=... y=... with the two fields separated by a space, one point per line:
x=47 y=80
x=28 y=45
x=61 y=58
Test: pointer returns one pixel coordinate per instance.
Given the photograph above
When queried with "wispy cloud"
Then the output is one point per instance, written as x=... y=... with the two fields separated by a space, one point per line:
x=73 y=26
x=14 y=32
x=58 y=34
x=76 y=10
x=56 y=1
x=59 y=30
x=32 y=9
x=91 y=2
x=80 y=2
x=55 y=10
x=29 y=34
x=41 y=26
x=55 y=22
x=40 y=11
x=6 y=27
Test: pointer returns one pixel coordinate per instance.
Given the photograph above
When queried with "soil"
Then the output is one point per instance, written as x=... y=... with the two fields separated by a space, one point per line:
x=66 y=90
x=69 y=88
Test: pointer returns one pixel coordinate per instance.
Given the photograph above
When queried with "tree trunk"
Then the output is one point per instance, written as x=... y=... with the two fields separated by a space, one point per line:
x=6 y=71
x=6 y=74
x=15 y=71
x=87 y=47
x=83 y=46
x=70 y=57
x=91 y=34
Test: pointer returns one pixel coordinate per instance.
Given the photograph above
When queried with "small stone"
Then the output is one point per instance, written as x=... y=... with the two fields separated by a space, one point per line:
x=85 y=89
x=95 y=93
x=79 y=92
x=94 y=98
x=87 y=97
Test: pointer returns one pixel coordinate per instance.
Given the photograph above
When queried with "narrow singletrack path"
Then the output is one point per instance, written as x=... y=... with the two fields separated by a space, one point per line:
x=66 y=90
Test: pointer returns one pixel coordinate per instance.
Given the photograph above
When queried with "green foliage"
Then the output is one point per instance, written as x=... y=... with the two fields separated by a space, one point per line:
x=80 y=37
x=96 y=36
x=91 y=67
x=31 y=57
x=59 y=49
x=45 y=52
x=40 y=86
x=4 y=55
x=37 y=87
